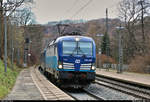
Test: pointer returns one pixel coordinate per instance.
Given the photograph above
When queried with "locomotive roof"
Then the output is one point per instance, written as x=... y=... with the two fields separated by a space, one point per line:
x=73 y=38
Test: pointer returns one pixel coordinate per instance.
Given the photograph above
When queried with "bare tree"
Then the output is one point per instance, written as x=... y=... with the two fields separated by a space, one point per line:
x=25 y=17
x=7 y=7
x=130 y=13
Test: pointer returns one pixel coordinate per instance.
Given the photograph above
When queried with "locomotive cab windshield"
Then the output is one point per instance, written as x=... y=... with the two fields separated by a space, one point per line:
x=77 y=48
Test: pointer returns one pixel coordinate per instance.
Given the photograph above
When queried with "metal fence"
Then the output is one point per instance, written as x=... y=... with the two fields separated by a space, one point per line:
x=114 y=66
x=124 y=67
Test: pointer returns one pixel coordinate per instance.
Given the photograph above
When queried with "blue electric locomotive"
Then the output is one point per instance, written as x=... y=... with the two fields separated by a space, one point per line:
x=70 y=60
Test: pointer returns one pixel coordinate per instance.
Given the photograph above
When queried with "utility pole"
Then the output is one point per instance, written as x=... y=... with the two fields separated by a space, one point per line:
x=1 y=9
x=120 y=53
x=26 y=51
x=26 y=47
x=29 y=54
x=142 y=21
x=106 y=20
x=58 y=27
x=12 y=48
x=5 y=44
x=120 y=49
x=107 y=42
x=142 y=18
x=18 y=56
x=99 y=50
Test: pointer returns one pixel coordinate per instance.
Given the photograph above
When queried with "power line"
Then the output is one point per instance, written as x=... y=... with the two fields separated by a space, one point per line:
x=112 y=8
x=74 y=4
x=76 y=13
x=82 y=8
x=70 y=9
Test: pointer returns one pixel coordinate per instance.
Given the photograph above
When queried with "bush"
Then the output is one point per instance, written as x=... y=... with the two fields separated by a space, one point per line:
x=140 y=64
x=102 y=59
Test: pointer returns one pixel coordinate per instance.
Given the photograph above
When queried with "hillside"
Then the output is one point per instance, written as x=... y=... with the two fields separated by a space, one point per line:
x=98 y=25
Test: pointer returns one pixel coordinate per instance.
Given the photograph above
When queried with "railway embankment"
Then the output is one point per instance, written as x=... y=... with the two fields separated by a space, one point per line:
x=7 y=79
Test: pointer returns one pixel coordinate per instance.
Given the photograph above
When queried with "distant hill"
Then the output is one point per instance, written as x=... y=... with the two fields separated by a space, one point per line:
x=96 y=26
x=88 y=28
x=66 y=22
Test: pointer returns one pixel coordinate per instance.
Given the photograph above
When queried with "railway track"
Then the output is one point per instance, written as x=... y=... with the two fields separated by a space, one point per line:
x=86 y=94
x=134 y=90
x=83 y=95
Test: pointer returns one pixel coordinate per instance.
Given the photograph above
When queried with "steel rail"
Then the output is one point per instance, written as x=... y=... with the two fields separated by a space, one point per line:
x=85 y=93
x=124 y=87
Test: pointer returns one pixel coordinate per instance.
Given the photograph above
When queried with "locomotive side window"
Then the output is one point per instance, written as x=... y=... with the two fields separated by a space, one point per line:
x=48 y=51
x=51 y=51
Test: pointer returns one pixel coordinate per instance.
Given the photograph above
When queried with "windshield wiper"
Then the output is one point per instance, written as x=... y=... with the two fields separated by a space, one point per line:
x=84 y=55
x=74 y=51
x=78 y=49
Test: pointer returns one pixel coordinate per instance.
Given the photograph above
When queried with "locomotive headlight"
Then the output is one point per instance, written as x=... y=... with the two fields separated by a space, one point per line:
x=77 y=39
x=93 y=68
x=60 y=67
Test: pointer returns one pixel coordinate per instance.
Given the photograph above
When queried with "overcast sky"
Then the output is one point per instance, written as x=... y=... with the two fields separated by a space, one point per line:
x=56 y=10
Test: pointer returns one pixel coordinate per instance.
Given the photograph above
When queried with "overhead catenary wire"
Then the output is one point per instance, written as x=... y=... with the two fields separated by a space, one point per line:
x=69 y=9
x=83 y=7
x=72 y=6
x=76 y=13
x=59 y=24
